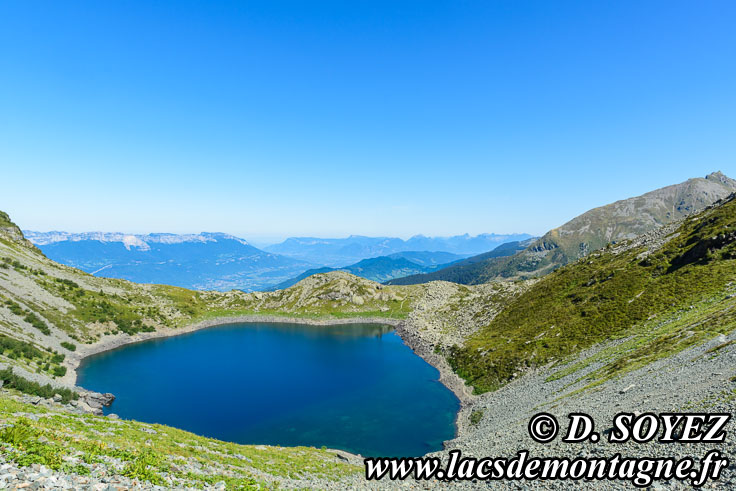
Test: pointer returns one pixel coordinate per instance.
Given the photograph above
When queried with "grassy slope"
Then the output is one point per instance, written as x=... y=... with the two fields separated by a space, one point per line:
x=610 y=295
x=155 y=453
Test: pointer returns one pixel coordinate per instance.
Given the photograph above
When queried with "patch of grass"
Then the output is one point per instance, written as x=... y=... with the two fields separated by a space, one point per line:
x=15 y=348
x=37 y=322
x=476 y=416
x=143 y=467
x=69 y=346
x=155 y=453
x=656 y=340
x=23 y=351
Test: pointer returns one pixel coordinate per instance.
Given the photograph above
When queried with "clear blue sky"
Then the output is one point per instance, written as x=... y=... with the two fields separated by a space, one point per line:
x=278 y=118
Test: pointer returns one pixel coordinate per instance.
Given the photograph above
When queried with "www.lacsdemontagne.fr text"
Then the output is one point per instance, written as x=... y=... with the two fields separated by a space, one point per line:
x=639 y=471
x=667 y=428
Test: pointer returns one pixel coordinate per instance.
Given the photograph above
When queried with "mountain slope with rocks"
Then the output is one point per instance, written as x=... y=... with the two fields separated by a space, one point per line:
x=591 y=231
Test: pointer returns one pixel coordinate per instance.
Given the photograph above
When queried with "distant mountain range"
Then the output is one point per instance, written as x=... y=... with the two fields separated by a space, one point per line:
x=217 y=261
x=384 y=268
x=206 y=261
x=588 y=232
x=336 y=253
x=462 y=271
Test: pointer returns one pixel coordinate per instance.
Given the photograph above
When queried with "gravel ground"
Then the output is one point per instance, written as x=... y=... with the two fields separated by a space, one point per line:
x=691 y=381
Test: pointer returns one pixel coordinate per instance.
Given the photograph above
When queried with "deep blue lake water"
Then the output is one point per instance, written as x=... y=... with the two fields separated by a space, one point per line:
x=352 y=387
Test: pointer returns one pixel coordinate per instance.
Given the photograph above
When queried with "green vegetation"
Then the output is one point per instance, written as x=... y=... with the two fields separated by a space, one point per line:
x=36 y=322
x=154 y=453
x=14 y=308
x=98 y=307
x=657 y=338
x=13 y=381
x=476 y=416
x=609 y=295
x=28 y=316
x=7 y=263
x=16 y=349
x=69 y=346
x=5 y=220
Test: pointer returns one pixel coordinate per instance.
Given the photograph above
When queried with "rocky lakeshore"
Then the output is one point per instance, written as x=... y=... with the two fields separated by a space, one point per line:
x=413 y=331
x=407 y=329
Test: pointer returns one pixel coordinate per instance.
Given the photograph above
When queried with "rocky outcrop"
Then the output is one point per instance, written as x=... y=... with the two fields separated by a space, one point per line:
x=95 y=400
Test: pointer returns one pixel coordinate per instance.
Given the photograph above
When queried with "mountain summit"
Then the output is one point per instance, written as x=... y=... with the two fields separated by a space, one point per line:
x=590 y=231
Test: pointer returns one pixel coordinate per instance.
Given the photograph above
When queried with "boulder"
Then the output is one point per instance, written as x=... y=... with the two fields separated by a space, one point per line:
x=84 y=407
x=97 y=400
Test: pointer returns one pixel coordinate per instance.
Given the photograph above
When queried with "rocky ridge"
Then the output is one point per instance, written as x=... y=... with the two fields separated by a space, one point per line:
x=591 y=231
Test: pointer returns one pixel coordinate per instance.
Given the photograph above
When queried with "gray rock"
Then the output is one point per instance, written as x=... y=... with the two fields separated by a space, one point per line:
x=626 y=389
x=97 y=401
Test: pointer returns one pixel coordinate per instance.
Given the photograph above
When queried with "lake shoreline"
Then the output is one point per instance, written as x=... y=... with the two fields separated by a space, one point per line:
x=403 y=329
x=115 y=341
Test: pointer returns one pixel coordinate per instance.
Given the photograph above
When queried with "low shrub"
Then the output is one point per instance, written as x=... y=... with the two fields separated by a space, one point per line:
x=69 y=346
x=26 y=386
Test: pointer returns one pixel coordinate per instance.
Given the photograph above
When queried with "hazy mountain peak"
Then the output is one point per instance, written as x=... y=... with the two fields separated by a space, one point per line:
x=133 y=241
x=341 y=252
x=205 y=260
x=139 y=241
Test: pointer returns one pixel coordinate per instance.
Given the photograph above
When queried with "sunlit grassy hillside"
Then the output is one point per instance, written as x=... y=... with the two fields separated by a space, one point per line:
x=669 y=296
